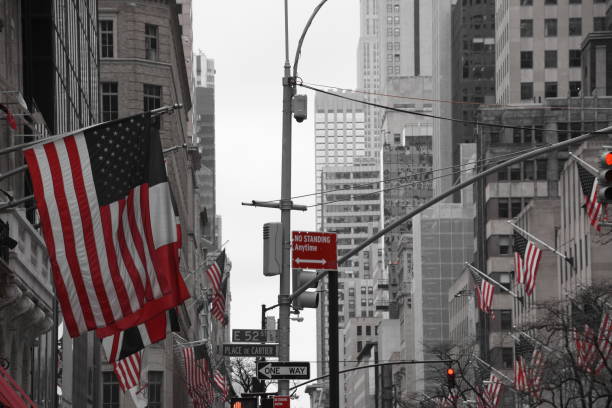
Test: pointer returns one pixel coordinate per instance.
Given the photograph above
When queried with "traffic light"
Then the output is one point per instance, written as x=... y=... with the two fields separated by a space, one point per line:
x=604 y=195
x=308 y=299
x=450 y=377
x=243 y=402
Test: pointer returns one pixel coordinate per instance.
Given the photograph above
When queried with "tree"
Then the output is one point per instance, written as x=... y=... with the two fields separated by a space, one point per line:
x=244 y=373
x=575 y=370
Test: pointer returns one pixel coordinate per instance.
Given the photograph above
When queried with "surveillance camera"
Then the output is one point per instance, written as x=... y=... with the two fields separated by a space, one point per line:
x=299 y=106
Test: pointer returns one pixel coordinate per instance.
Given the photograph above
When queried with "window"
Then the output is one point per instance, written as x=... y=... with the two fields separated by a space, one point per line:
x=110 y=101
x=574 y=87
x=550 y=89
x=151 y=41
x=529 y=170
x=507 y=357
x=599 y=24
x=359 y=330
x=527 y=28
x=574 y=58
x=506 y=320
x=110 y=390
x=550 y=2
x=107 y=39
x=504 y=245
x=155 y=389
x=575 y=26
x=575 y=1
x=502 y=175
x=550 y=59
x=550 y=27
x=515 y=172
x=359 y=346
x=368 y=330
x=515 y=207
x=526 y=59
x=526 y=2
x=152 y=99
x=526 y=90
x=541 y=166
x=502 y=208
x=516 y=136
x=351 y=291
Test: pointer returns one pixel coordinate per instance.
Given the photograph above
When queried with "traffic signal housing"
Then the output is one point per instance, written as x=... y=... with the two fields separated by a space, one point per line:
x=308 y=299
x=243 y=402
x=450 y=377
x=604 y=179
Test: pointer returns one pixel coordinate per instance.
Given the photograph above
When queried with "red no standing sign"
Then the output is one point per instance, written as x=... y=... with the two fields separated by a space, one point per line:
x=314 y=250
x=282 y=401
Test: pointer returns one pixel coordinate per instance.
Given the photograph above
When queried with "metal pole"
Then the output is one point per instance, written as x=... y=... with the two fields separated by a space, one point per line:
x=285 y=207
x=449 y=192
x=584 y=163
x=332 y=307
x=493 y=281
x=561 y=255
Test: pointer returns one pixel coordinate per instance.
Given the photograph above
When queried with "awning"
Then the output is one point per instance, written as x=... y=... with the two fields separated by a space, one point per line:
x=11 y=394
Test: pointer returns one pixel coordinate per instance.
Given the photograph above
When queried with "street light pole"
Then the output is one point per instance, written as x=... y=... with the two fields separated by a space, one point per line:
x=285 y=207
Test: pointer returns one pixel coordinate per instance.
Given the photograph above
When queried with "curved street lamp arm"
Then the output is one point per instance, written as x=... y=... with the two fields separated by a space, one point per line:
x=298 y=52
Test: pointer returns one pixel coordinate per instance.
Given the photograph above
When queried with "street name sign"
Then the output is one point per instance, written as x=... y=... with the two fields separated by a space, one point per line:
x=282 y=401
x=250 y=350
x=283 y=370
x=254 y=336
x=314 y=250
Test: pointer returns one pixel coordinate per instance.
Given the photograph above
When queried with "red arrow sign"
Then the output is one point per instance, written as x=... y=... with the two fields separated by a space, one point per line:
x=314 y=250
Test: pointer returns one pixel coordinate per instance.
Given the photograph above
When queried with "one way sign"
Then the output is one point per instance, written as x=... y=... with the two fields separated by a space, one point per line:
x=283 y=370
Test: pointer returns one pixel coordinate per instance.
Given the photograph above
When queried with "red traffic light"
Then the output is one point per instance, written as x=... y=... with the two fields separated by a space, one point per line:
x=606 y=159
x=450 y=371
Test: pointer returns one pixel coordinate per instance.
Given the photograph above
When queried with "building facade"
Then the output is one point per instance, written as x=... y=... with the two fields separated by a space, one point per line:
x=538 y=47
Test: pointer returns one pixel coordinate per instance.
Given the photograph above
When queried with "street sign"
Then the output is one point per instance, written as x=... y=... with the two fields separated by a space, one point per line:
x=282 y=401
x=314 y=250
x=254 y=336
x=250 y=350
x=283 y=370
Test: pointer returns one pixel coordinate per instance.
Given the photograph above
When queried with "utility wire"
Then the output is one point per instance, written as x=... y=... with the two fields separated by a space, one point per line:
x=451 y=101
x=427 y=115
x=357 y=186
x=403 y=185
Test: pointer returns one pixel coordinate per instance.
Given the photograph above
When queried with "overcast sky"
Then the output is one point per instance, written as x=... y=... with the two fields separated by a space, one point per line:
x=246 y=40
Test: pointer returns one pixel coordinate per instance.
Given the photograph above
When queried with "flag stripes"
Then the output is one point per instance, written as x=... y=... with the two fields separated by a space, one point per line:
x=105 y=212
x=590 y=187
x=604 y=341
x=527 y=257
x=215 y=272
x=484 y=294
x=127 y=371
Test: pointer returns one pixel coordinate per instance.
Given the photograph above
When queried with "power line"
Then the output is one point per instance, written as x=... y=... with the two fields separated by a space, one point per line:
x=356 y=186
x=451 y=101
x=427 y=115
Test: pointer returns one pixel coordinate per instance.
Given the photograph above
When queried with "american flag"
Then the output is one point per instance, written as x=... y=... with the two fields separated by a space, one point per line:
x=527 y=258
x=604 y=341
x=491 y=394
x=127 y=371
x=586 y=348
x=484 y=293
x=522 y=349
x=10 y=119
x=221 y=384
x=109 y=224
x=120 y=345
x=590 y=187
x=535 y=373
x=449 y=401
x=218 y=303
x=198 y=376
x=215 y=272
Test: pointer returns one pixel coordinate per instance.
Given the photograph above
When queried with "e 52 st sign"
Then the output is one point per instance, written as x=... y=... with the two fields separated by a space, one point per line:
x=314 y=250
x=254 y=336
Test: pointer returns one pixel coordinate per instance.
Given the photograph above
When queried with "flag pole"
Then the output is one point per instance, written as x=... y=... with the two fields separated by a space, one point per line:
x=548 y=348
x=13 y=171
x=490 y=367
x=15 y=203
x=14 y=148
x=560 y=254
x=487 y=277
x=584 y=163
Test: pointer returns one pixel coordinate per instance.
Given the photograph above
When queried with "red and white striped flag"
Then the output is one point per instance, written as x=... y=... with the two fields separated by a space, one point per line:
x=215 y=272
x=109 y=224
x=527 y=257
x=221 y=384
x=535 y=373
x=493 y=391
x=127 y=371
x=586 y=348
x=604 y=341
x=198 y=376
x=218 y=303
x=520 y=374
x=484 y=293
x=590 y=187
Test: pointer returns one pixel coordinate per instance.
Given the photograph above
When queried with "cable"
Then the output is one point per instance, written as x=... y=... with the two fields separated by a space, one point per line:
x=427 y=115
x=494 y=105
x=355 y=186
